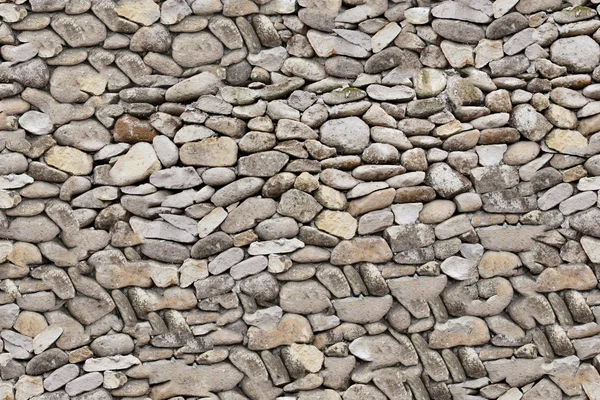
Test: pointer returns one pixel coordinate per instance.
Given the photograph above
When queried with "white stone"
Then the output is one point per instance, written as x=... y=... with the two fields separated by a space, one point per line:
x=591 y=246
x=491 y=154
x=579 y=202
x=160 y=230
x=555 y=196
x=501 y=7
x=407 y=213
x=326 y=45
x=14 y=181
x=117 y=362
x=28 y=387
x=36 y=123
x=46 y=338
x=274 y=246
x=137 y=165
x=60 y=377
x=592 y=183
x=460 y=268
x=84 y=383
x=458 y=55
x=417 y=15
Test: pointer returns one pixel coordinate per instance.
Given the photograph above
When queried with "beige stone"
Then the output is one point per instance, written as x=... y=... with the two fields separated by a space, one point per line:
x=567 y=142
x=566 y=276
x=498 y=263
x=308 y=356
x=144 y=12
x=30 y=323
x=338 y=223
x=368 y=249
x=135 y=166
x=291 y=329
x=210 y=152
x=463 y=331
x=70 y=160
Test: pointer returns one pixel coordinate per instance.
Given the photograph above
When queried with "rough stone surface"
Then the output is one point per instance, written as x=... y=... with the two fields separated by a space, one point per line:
x=299 y=199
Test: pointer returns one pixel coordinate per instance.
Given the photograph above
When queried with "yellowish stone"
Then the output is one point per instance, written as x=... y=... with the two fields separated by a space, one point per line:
x=144 y=12
x=448 y=129
x=94 y=84
x=70 y=160
x=338 y=223
x=30 y=323
x=574 y=174
x=567 y=142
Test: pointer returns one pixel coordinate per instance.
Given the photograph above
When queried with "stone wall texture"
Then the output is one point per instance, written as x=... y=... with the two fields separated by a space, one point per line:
x=299 y=199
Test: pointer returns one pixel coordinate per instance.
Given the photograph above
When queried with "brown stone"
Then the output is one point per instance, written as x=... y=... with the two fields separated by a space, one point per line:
x=130 y=129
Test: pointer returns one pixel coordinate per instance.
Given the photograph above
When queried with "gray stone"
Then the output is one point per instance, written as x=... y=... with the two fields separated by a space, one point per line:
x=196 y=49
x=578 y=54
x=446 y=181
x=347 y=135
x=79 y=30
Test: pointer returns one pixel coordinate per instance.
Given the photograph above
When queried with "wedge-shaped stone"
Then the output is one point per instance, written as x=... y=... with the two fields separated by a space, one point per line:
x=362 y=310
x=415 y=293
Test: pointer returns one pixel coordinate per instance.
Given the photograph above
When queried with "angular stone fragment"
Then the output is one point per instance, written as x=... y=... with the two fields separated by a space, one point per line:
x=298 y=205
x=446 y=181
x=409 y=236
x=69 y=159
x=263 y=164
x=362 y=310
x=136 y=165
x=337 y=223
x=567 y=142
x=585 y=222
x=415 y=293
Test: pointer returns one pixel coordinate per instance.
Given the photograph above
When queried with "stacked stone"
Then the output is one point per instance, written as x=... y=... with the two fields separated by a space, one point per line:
x=299 y=199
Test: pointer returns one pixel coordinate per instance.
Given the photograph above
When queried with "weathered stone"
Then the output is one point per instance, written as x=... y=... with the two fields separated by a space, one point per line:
x=567 y=276
x=209 y=152
x=364 y=249
x=362 y=310
x=79 y=30
x=578 y=54
x=196 y=49
x=137 y=165
x=347 y=135
x=291 y=329
x=446 y=181
x=469 y=331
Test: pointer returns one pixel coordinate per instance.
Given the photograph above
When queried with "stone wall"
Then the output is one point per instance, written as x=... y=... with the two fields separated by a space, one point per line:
x=299 y=199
